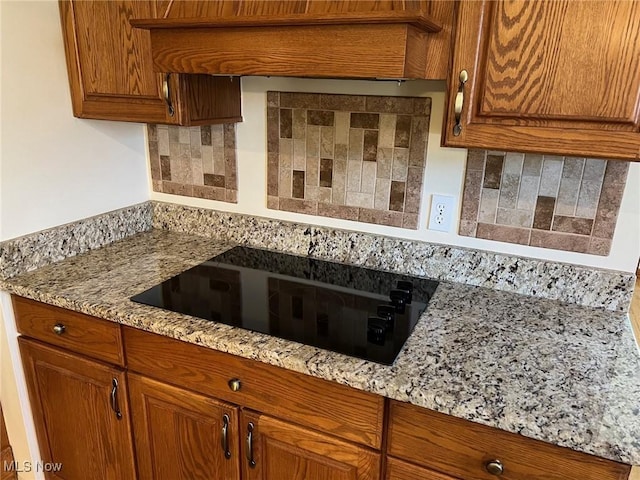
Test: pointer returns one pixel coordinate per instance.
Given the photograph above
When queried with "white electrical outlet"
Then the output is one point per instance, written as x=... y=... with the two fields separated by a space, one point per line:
x=441 y=214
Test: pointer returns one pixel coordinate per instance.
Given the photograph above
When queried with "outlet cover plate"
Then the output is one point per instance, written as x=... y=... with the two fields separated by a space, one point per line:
x=441 y=213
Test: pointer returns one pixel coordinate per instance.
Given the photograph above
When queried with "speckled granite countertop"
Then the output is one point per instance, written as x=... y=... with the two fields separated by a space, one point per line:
x=560 y=373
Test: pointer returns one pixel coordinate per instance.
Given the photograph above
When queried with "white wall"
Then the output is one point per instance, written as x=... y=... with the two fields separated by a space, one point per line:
x=444 y=174
x=54 y=168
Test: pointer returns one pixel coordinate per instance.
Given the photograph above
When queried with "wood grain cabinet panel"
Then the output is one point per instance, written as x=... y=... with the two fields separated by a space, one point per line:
x=278 y=450
x=462 y=449
x=111 y=73
x=553 y=76
x=80 y=333
x=74 y=409
x=399 y=470
x=180 y=435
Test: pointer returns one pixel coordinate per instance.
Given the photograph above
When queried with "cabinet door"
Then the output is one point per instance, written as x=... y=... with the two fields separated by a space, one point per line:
x=109 y=63
x=75 y=403
x=181 y=435
x=555 y=76
x=276 y=450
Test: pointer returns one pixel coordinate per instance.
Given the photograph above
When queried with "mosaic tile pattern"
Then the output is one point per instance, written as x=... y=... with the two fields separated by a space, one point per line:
x=563 y=203
x=352 y=157
x=194 y=161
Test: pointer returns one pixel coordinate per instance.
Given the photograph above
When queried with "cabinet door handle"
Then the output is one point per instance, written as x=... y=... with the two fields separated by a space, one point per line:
x=225 y=436
x=114 y=399
x=166 y=92
x=252 y=462
x=459 y=103
x=59 y=329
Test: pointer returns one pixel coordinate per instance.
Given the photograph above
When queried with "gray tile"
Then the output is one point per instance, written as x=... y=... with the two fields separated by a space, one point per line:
x=573 y=168
x=594 y=170
x=326 y=142
x=299 y=123
x=342 y=128
x=312 y=172
x=551 y=174
x=509 y=190
x=568 y=196
x=513 y=163
x=385 y=161
x=400 y=164
x=528 y=193
x=532 y=165
x=313 y=141
x=488 y=205
x=163 y=140
x=588 y=198
x=286 y=155
x=358 y=199
x=299 y=153
x=386 y=137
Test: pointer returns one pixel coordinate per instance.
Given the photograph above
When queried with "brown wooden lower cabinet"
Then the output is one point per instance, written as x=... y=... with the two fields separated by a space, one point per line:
x=181 y=435
x=277 y=450
x=75 y=403
x=399 y=470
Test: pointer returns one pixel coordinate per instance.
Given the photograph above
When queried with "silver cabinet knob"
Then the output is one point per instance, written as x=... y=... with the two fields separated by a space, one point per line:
x=494 y=467
x=234 y=384
x=59 y=329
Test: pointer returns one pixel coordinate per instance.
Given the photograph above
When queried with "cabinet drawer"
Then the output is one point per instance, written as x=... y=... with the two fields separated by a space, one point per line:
x=77 y=332
x=336 y=409
x=462 y=449
x=399 y=470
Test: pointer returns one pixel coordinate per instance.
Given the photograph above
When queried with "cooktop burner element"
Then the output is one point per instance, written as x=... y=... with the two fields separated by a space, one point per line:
x=357 y=311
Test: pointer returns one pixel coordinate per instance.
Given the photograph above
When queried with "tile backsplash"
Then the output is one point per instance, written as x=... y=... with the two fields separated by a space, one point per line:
x=563 y=203
x=194 y=161
x=353 y=157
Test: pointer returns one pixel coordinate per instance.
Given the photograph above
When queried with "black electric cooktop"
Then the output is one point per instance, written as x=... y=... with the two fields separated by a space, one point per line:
x=357 y=311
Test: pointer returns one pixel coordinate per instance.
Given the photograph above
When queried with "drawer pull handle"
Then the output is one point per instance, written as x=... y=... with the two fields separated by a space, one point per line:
x=114 y=399
x=252 y=462
x=494 y=467
x=235 y=384
x=225 y=436
x=166 y=93
x=59 y=329
x=459 y=103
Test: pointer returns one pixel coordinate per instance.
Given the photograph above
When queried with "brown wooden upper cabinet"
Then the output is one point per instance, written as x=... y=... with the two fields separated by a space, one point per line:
x=546 y=76
x=111 y=73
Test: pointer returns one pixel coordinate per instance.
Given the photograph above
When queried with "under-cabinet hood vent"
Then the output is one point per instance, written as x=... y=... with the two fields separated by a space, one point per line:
x=373 y=44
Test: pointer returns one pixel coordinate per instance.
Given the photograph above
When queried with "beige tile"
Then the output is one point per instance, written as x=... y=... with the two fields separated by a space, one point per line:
x=342 y=128
x=299 y=123
x=528 y=193
x=358 y=199
x=208 y=164
x=514 y=218
x=156 y=185
x=354 y=176
x=313 y=141
x=551 y=174
x=568 y=196
x=385 y=161
x=356 y=142
x=559 y=241
x=181 y=165
x=340 y=152
x=231 y=196
x=300 y=206
x=231 y=173
x=184 y=135
x=392 y=219
x=338 y=189
x=217 y=142
x=386 y=136
x=197 y=172
x=502 y=233
x=312 y=172
x=285 y=183
x=310 y=193
x=381 y=197
x=219 y=164
x=299 y=154
x=194 y=141
x=286 y=155
x=400 y=164
x=368 y=181
x=509 y=190
x=152 y=132
x=594 y=170
x=209 y=193
x=324 y=194
x=588 y=198
x=326 y=142
x=513 y=163
x=163 y=140
x=338 y=211
x=488 y=205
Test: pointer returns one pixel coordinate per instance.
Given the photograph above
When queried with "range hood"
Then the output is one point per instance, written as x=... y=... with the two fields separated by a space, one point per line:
x=373 y=44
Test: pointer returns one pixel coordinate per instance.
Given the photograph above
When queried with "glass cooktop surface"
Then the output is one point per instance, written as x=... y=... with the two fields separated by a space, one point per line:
x=352 y=310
